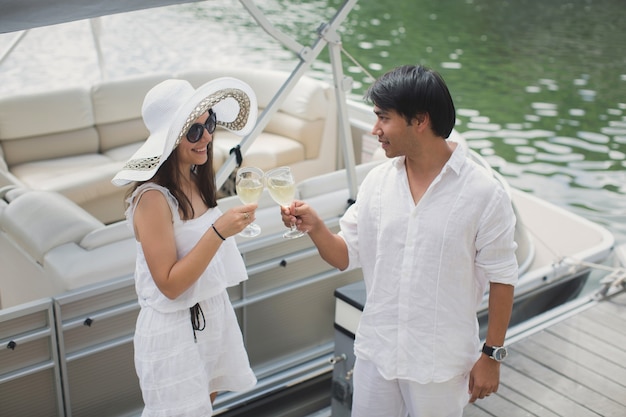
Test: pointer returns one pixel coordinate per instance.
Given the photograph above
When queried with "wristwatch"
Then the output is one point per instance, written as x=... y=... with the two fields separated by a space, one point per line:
x=497 y=353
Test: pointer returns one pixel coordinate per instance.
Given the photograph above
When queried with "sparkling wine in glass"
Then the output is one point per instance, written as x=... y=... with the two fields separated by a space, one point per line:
x=282 y=188
x=249 y=185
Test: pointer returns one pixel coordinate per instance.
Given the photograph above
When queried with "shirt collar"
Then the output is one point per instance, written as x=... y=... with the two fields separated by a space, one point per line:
x=458 y=157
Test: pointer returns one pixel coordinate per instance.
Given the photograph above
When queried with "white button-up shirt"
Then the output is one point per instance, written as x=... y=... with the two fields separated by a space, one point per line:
x=426 y=266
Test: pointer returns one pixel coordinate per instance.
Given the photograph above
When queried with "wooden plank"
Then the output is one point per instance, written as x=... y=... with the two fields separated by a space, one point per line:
x=599 y=330
x=499 y=405
x=576 y=367
x=535 y=409
x=582 y=357
x=472 y=410
x=510 y=403
x=605 y=317
x=573 y=335
x=537 y=392
x=573 y=389
x=615 y=306
x=568 y=369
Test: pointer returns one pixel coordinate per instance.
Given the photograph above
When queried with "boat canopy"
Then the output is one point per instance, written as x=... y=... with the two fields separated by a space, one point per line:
x=16 y=15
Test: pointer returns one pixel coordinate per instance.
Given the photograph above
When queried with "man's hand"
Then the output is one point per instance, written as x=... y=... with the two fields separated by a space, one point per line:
x=332 y=248
x=484 y=378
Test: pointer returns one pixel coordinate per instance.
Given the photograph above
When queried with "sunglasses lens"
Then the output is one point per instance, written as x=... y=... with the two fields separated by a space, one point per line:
x=211 y=123
x=195 y=133
x=197 y=130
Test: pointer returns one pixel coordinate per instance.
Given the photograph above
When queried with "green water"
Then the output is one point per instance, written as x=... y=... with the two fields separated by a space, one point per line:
x=540 y=87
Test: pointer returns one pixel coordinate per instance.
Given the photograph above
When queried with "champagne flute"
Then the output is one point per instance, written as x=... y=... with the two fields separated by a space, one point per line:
x=282 y=188
x=249 y=186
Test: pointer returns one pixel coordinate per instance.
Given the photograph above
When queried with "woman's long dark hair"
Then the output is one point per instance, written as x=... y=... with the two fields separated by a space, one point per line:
x=203 y=175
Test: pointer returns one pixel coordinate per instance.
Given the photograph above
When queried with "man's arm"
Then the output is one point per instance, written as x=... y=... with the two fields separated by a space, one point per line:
x=332 y=248
x=485 y=375
x=500 y=307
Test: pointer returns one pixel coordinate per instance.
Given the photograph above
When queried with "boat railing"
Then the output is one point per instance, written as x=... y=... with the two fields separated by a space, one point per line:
x=610 y=285
x=615 y=280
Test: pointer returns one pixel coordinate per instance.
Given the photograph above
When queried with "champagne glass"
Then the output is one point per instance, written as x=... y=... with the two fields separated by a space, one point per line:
x=282 y=188
x=249 y=186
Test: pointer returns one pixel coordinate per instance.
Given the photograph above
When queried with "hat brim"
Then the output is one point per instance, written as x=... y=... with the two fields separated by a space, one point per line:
x=234 y=104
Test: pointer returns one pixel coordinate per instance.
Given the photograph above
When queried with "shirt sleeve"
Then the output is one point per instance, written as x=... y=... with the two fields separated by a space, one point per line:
x=349 y=233
x=495 y=241
x=360 y=212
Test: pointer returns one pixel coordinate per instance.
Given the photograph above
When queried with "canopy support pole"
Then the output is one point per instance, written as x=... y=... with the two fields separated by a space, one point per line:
x=12 y=46
x=307 y=57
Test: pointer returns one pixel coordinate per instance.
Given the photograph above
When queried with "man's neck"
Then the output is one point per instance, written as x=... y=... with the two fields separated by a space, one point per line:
x=429 y=159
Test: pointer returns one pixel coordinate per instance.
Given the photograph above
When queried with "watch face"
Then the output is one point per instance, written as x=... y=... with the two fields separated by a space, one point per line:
x=499 y=354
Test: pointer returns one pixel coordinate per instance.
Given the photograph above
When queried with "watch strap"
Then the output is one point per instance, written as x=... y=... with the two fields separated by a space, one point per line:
x=490 y=351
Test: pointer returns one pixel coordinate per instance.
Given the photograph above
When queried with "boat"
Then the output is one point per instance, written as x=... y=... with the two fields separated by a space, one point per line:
x=69 y=303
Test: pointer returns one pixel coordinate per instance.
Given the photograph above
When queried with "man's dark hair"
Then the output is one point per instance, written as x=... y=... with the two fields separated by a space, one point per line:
x=411 y=90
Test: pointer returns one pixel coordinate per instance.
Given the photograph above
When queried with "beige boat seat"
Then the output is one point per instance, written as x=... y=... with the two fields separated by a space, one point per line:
x=50 y=245
x=73 y=140
x=302 y=133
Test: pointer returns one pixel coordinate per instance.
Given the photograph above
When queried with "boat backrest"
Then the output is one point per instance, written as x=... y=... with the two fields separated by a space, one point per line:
x=41 y=220
x=304 y=113
x=53 y=124
x=117 y=109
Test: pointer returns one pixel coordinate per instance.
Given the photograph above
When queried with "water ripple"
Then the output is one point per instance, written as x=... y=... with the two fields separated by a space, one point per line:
x=515 y=141
x=593 y=137
x=617 y=155
x=528 y=134
x=579 y=143
x=552 y=148
x=613 y=130
x=560 y=158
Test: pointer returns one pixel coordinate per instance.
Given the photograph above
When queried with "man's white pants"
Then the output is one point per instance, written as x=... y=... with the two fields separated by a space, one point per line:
x=375 y=396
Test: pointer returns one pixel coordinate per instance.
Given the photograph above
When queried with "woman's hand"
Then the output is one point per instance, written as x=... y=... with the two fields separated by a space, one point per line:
x=235 y=219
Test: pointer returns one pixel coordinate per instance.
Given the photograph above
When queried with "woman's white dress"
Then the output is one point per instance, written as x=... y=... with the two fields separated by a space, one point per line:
x=176 y=372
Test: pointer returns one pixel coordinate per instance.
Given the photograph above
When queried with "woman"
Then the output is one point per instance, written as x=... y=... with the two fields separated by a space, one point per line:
x=188 y=344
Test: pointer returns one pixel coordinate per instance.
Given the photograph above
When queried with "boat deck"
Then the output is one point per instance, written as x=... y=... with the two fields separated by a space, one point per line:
x=574 y=366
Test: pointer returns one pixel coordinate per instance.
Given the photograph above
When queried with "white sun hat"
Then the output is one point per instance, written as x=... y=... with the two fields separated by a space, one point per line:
x=172 y=106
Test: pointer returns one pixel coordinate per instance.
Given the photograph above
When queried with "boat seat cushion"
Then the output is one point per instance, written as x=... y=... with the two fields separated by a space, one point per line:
x=301 y=117
x=122 y=153
x=117 y=110
x=40 y=220
x=106 y=235
x=268 y=151
x=333 y=181
x=79 y=178
x=53 y=124
x=50 y=245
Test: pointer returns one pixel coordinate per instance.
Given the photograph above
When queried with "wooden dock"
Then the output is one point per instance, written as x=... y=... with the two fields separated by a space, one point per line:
x=573 y=366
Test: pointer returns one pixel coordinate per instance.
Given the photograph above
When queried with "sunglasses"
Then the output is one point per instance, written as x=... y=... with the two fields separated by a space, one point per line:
x=196 y=130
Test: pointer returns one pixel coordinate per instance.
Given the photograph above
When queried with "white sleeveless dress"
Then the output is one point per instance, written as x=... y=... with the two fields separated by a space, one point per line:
x=176 y=372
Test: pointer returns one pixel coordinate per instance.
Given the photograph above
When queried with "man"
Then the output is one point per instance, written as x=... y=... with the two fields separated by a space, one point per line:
x=430 y=229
